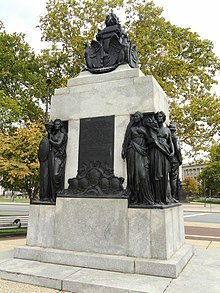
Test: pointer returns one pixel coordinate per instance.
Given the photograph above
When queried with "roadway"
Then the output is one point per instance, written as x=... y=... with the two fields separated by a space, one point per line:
x=202 y=225
x=14 y=209
x=200 y=215
x=203 y=217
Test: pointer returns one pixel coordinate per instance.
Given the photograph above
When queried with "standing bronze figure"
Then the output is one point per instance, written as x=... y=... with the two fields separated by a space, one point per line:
x=176 y=161
x=57 y=161
x=161 y=153
x=43 y=156
x=135 y=151
x=52 y=157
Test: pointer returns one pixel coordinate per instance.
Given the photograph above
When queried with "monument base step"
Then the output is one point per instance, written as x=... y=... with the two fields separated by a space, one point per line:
x=76 y=279
x=163 y=268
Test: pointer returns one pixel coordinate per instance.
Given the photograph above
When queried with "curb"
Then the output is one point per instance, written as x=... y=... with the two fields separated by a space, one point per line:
x=14 y=203
x=202 y=211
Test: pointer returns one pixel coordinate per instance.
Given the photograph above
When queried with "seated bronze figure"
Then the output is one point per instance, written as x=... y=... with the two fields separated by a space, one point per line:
x=110 y=49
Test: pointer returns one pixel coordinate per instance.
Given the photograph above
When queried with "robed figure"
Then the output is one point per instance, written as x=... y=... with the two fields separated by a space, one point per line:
x=57 y=158
x=111 y=48
x=135 y=151
x=176 y=162
x=43 y=156
x=52 y=157
x=161 y=153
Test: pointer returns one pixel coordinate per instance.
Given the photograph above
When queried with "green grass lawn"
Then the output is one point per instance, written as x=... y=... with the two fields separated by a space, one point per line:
x=204 y=200
x=14 y=231
x=17 y=199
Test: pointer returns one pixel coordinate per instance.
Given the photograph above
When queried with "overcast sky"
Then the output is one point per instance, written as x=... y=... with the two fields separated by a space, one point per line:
x=201 y=16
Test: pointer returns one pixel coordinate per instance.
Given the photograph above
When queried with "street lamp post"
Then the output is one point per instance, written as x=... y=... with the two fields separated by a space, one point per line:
x=48 y=82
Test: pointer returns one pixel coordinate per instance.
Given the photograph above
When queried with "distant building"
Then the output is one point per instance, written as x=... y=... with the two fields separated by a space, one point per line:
x=190 y=170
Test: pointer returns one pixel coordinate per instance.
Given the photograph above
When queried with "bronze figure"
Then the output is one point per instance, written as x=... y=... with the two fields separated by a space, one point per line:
x=111 y=48
x=52 y=157
x=176 y=161
x=135 y=151
x=161 y=152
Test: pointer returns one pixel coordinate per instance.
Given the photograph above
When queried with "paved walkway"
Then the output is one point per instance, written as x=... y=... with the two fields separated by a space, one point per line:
x=206 y=261
x=6 y=246
x=13 y=287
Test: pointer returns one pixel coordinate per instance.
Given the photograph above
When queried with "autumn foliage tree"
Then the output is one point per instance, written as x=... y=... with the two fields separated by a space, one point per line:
x=191 y=185
x=19 y=166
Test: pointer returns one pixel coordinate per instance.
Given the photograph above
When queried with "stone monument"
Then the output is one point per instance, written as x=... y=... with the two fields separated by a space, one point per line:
x=116 y=212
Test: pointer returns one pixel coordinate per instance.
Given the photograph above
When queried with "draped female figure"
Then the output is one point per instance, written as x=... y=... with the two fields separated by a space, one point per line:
x=57 y=157
x=135 y=152
x=161 y=153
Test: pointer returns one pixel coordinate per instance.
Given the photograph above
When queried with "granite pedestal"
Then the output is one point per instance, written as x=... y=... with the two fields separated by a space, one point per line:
x=105 y=234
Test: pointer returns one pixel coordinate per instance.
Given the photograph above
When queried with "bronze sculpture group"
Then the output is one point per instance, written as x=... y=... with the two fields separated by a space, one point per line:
x=153 y=157
x=151 y=150
x=52 y=157
x=152 y=154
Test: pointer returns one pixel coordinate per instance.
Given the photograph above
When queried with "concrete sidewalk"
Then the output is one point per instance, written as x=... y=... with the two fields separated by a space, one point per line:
x=202 y=274
x=14 y=203
x=7 y=244
x=201 y=207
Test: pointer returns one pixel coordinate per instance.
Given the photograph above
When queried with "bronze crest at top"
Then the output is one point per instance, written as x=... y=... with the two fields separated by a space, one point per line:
x=111 y=48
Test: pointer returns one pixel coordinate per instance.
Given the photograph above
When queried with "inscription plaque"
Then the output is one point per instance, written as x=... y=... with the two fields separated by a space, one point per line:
x=96 y=141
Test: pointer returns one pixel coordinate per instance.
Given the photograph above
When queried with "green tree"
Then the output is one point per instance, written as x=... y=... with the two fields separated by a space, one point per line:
x=183 y=64
x=22 y=82
x=191 y=185
x=210 y=176
x=19 y=166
